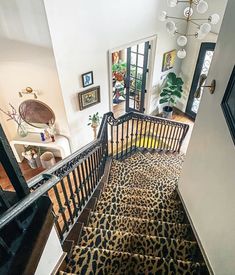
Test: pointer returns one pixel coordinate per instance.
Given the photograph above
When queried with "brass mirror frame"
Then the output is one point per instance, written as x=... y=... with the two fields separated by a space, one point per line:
x=41 y=103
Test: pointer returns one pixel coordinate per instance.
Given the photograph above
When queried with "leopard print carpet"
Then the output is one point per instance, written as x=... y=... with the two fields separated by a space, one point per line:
x=138 y=225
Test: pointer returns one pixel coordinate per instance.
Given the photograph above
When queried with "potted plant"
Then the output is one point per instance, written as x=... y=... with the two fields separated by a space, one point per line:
x=94 y=122
x=119 y=70
x=171 y=92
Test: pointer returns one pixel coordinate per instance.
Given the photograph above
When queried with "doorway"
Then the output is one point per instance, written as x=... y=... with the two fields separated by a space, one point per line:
x=130 y=77
x=203 y=65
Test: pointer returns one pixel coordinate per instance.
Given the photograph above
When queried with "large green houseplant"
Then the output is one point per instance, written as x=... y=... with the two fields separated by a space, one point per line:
x=170 y=93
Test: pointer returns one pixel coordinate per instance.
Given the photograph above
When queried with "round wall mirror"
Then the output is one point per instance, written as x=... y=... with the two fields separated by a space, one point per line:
x=36 y=113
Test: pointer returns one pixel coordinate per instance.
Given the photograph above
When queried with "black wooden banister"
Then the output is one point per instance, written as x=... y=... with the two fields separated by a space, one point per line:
x=71 y=182
x=27 y=201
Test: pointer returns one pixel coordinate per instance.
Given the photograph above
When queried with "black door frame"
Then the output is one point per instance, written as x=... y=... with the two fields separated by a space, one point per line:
x=205 y=46
x=11 y=167
x=144 y=77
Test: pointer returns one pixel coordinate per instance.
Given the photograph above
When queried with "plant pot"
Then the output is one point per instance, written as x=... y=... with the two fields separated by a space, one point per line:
x=94 y=127
x=167 y=112
x=47 y=160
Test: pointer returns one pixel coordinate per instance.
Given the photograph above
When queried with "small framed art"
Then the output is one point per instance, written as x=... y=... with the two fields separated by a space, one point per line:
x=89 y=97
x=87 y=79
x=168 y=60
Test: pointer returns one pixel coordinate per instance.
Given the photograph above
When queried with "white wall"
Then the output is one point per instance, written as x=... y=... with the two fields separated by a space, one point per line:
x=193 y=48
x=82 y=33
x=51 y=254
x=207 y=183
x=26 y=59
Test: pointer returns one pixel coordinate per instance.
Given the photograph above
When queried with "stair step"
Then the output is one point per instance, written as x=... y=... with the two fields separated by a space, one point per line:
x=146 y=167
x=139 y=244
x=141 y=201
x=87 y=260
x=139 y=226
x=165 y=164
x=117 y=190
x=138 y=179
x=174 y=160
x=141 y=212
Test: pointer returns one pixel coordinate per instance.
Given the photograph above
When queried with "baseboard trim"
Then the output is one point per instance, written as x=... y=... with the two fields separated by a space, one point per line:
x=196 y=235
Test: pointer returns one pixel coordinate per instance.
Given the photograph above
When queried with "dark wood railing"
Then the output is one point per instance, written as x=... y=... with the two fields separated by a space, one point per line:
x=72 y=181
x=135 y=130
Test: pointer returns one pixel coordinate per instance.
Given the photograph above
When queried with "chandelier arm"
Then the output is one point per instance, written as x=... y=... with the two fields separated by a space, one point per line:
x=191 y=21
x=188 y=17
x=194 y=2
x=200 y=19
x=179 y=18
x=180 y=33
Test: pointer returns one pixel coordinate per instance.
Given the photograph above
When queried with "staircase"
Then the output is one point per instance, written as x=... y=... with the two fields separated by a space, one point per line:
x=138 y=225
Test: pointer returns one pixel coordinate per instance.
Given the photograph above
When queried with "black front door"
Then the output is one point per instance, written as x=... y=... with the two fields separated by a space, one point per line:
x=202 y=67
x=137 y=63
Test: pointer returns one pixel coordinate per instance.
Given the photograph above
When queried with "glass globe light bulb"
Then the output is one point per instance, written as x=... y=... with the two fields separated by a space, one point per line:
x=214 y=19
x=205 y=28
x=181 y=53
x=170 y=26
x=182 y=40
x=188 y=12
x=202 y=7
x=171 y=3
x=199 y=35
x=163 y=16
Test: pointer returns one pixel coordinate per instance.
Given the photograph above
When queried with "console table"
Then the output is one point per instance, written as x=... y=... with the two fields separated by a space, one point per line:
x=60 y=148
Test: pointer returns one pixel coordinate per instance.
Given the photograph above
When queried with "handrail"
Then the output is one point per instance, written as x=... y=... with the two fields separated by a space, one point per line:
x=27 y=201
x=135 y=130
x=82 y=152
x=71 y=182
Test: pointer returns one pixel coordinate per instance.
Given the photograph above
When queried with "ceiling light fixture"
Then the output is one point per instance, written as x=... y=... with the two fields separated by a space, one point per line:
x=203 y=25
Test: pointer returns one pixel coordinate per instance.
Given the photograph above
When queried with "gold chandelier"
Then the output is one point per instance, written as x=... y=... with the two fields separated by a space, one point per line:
x=203 y=25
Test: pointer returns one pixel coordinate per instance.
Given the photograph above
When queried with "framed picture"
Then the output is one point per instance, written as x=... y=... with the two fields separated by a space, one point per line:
x=87 y=79
x=89 y=97
x=168 y=60
x=228 y=104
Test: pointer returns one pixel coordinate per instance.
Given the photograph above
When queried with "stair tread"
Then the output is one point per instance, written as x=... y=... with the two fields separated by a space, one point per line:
x=126 y=209
x=87 y=260
x=138 y=243
x=135 y=191
x=134 y=218
x=141 y=201
x=137 y=225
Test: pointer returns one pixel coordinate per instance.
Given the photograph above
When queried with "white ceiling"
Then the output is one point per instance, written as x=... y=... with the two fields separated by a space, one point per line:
x=25 y=21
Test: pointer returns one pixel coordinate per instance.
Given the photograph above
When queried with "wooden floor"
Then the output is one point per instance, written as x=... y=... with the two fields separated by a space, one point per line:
x=27 y=172
x=119 y=109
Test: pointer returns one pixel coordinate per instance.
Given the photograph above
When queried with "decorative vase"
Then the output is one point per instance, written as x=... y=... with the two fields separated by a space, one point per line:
x=32 y=163
x=22 y=131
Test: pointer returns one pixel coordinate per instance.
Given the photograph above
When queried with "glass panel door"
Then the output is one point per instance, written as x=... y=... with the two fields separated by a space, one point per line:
x=137 y=62
x=202 y=67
